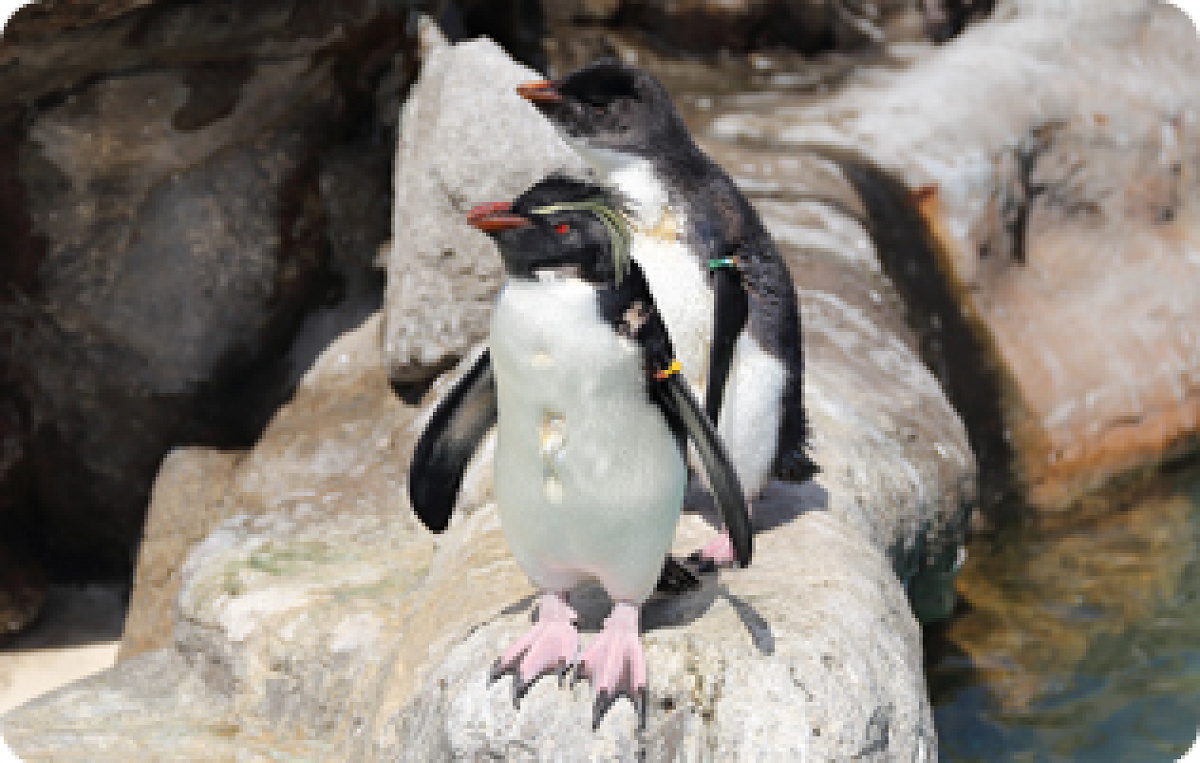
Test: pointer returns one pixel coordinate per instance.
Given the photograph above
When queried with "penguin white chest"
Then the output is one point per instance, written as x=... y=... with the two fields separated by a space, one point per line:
x=750 y=414
x=683 y=297
x=679 y=285
x=589 y=477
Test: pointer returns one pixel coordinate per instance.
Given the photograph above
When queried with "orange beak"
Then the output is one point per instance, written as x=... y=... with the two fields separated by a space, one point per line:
x=542 y=91
x=495 y=216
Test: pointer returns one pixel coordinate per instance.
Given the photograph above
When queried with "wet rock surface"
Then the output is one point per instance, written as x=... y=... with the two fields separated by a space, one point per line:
x=1058 y=193
x=320 y=617
x=168 y=172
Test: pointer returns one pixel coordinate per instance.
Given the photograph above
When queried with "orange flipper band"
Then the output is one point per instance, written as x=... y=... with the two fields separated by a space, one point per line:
x=674 y=368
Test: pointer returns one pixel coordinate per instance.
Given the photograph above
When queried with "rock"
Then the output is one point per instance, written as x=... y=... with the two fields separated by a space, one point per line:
x=1058 y=192
x=180 y=716
x=516 y=25
x=945 y=19
x=188 y=502
x=582 y=10
x=167 y=227
x=707 y=27
x=323 y=618
x=757 y=665
x=22 y=589
x=76 y=634
x=466 y=138
x=712 y=25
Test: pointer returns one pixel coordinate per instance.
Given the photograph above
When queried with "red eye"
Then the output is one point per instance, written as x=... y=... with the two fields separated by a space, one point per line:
x=562 y=229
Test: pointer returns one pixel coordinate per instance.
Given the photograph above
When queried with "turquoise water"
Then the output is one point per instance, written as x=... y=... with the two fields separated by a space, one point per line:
x=1080 y=645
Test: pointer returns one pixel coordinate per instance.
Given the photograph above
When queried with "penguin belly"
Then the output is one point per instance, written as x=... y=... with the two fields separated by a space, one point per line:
x=752 y=406
x=589 y=477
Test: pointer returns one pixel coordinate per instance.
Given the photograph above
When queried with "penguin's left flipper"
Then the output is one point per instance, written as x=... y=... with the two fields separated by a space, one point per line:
x=453 y=434
x=731 y=310
x=675 y=398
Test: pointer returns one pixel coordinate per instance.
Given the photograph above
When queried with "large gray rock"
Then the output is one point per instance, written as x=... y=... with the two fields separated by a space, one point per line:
x=187 y=503
x=166 y=215
x=466 y=138
x=321 y=614
x=1060 y=188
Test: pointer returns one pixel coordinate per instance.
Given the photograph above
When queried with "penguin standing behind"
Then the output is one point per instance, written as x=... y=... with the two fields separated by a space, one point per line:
x=593 y=421
x=721 y=286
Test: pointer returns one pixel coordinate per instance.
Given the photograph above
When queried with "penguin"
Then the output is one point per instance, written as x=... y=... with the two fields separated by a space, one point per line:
x=593 y=422
x=722 y=287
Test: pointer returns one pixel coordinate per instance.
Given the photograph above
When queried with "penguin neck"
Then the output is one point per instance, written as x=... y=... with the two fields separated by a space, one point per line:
x=635 y=176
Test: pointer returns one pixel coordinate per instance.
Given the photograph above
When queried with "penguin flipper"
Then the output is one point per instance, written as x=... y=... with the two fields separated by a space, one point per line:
x=677 y=401
x=458 y=425
x=732 y=307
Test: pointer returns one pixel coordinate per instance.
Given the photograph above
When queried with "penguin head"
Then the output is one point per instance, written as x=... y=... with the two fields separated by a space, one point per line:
x=558 y=223
x=610 y=106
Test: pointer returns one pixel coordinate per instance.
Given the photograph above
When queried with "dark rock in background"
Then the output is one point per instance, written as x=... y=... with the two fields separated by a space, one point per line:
x=707 y=26
x=22 y=590
x=945 y=19
x=710 y=29
x=186 y=201
x=519 y=26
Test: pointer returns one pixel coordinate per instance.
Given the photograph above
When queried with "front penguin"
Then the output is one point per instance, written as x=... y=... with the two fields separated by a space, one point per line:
x=593 y=421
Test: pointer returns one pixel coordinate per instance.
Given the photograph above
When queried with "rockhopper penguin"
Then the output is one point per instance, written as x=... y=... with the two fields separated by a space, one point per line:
x=722 y=288
x=592 y=432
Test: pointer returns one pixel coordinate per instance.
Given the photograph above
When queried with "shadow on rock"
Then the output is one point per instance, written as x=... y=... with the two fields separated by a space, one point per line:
x=777 y=505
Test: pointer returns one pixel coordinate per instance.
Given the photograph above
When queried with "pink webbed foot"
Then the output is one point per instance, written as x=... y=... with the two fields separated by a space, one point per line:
x=551 y=646
x=615 y=664
x=718 y=552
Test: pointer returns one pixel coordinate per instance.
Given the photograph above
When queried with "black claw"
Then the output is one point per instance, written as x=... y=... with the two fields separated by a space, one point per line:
x=496 y=672
x=520 y=689
x=640 y=703
x=604 y=702
x=675 y=578
x=578 y=675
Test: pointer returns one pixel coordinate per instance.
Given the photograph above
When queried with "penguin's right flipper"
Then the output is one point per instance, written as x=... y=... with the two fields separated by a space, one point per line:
x=453 y=434
x=673 y=394
x=731 y=310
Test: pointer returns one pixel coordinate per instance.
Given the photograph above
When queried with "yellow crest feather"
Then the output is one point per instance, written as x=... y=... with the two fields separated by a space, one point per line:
x=615 y=223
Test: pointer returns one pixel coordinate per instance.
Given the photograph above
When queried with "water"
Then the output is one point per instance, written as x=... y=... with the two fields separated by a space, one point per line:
x=1077 y=645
